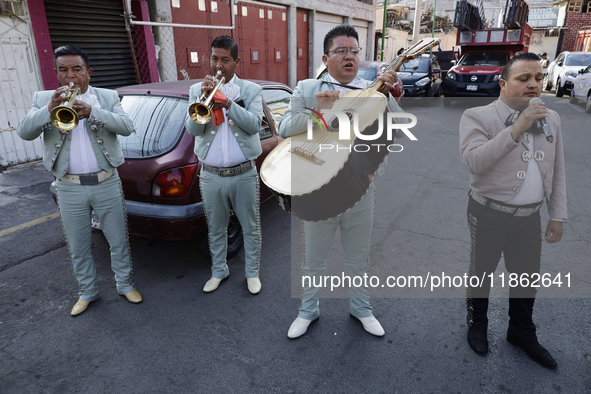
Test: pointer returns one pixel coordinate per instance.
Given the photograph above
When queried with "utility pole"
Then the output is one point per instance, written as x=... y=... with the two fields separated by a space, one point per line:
x=384 y=29
x=417 y=25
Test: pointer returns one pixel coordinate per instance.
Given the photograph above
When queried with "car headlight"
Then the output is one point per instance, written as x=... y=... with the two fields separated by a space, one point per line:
x=496 y=77
x=451 y=75
x=571 y=74
x=422 y=81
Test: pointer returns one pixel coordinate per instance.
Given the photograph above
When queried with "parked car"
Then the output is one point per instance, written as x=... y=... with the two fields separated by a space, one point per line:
x=368 y=70
x=160 y=175
x=563 y=71
x=421 y=77
x=582 y=89
x=447 y=59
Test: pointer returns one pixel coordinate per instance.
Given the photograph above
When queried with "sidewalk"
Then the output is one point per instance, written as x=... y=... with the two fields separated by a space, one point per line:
x=25 y=200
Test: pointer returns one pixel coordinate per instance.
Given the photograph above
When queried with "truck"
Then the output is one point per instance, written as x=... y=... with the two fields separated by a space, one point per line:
x=484 y=51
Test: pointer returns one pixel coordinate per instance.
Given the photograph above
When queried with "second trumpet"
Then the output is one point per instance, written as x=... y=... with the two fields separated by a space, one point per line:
x=200 y=111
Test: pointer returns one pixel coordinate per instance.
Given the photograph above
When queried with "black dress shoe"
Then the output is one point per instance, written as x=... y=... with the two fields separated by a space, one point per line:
x=478 y=341
x=534 y=350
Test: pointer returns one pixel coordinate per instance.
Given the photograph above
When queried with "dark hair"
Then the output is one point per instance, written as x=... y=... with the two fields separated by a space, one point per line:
x=529 y=56
x=338 y=31
x=544 y=54
x=225 y=42
x=70 y=50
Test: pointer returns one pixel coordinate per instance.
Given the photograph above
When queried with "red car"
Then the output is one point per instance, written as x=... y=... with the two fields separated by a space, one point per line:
x=160 y=175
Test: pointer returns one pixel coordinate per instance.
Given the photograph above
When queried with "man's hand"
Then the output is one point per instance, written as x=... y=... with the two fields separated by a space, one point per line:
x=208 y=84
x=528 y=116
x=226 y=104
x=389 y=78
x=553 y=231
x=82 y=108
x=325 y=100
x=56 y=99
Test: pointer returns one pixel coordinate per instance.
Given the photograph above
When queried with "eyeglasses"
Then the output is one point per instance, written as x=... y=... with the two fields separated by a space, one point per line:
x=342 y=51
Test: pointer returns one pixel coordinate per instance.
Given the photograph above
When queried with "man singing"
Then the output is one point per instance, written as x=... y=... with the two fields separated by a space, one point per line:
x=513 y=166
x=84 y=161
x=341 y=57
x=227 y=146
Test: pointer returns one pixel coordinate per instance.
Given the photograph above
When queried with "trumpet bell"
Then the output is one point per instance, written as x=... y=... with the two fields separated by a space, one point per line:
x=200 y=113
x=64 y=117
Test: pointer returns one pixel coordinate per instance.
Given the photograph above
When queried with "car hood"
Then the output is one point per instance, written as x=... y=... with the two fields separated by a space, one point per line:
x=409 y=78
x=576 y=69
x=477 y=69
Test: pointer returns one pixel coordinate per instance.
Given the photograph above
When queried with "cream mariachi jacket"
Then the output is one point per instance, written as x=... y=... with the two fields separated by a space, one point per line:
x=244 y=121
x=103 y=127
x=497 y=162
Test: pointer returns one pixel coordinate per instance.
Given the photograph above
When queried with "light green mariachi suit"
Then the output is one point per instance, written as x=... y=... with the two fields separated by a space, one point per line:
x=77 y=201
x=239 y=192
x=355 y=224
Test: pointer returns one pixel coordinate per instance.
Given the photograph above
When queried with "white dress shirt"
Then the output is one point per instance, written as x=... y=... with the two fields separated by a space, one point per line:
x=225 y=151
x=532 y=189
x=82 y=158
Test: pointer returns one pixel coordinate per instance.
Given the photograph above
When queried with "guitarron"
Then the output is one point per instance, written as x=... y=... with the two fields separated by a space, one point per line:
x=318 y=184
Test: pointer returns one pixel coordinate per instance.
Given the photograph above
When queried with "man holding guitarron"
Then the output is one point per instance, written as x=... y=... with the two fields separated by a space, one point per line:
x=310 y=97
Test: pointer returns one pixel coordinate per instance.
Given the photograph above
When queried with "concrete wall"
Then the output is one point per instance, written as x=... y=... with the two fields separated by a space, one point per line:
x=348 y=11
x=401 y=39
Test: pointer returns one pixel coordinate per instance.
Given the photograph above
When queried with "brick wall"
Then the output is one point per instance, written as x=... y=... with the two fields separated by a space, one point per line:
x=575 y=21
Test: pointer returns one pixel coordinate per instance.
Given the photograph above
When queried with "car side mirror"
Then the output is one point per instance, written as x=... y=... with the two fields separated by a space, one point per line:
x=581 y=70
x=453 y=63
x=559 y=64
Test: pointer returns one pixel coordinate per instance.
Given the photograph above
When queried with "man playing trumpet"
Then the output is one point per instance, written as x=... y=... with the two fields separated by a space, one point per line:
x=227 y=144
x=84 y=161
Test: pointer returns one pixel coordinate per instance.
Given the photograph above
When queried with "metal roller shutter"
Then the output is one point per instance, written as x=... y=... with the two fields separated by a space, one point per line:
x=98 y=28
x=320 y=30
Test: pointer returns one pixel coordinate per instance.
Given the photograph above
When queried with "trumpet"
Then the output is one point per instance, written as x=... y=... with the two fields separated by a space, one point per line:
x=200 y=111
x=63 y=116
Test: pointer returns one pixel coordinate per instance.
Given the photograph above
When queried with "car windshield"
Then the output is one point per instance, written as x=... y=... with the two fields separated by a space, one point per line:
x=578 y=59
x=420 y=65
x=277 y=100
x=484 y=59
x=158 y=124
x=368 y=73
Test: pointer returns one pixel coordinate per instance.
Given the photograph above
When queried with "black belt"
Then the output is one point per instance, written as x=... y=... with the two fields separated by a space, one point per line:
x=230 y=171
x=501 y=207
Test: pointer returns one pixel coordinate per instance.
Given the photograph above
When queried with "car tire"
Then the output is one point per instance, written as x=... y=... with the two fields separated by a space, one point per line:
x=547 y=85
x=572 y=99
x=588 y=103
x=559 y=90
x=235 y=238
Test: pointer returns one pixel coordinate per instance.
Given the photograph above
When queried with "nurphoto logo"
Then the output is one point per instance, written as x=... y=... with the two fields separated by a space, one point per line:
x=344 y=121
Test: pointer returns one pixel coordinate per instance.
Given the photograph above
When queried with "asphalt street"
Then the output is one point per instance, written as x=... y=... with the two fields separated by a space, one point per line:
x=181 y=340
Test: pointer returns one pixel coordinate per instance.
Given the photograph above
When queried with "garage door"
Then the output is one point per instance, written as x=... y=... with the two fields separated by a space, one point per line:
x=98 y=28
x=324 y=22
x=361 y=27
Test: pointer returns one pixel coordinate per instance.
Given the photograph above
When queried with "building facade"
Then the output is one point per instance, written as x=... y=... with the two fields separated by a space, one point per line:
x=141 y=41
